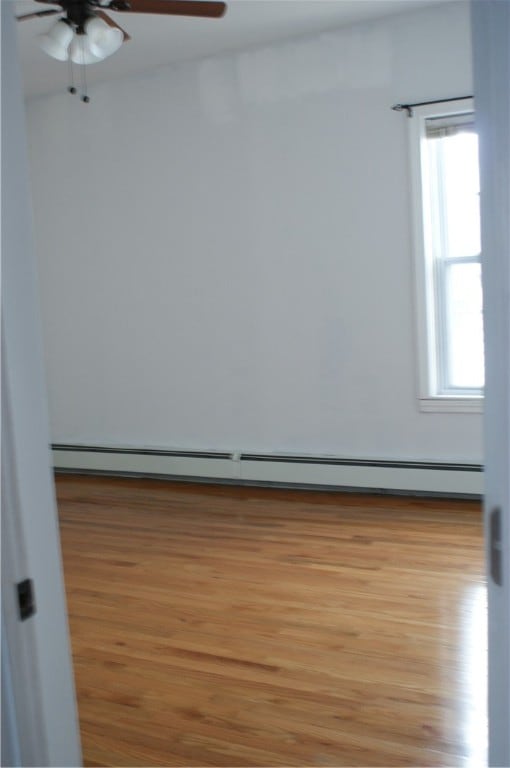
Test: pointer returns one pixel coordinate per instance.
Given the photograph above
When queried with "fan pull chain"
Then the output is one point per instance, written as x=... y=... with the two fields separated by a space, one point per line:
x=84 y=95
x=72 y=88
x=83 y=74
x=83 y=70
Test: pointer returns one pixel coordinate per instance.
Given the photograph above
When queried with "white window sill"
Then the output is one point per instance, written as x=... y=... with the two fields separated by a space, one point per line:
x=446 y=404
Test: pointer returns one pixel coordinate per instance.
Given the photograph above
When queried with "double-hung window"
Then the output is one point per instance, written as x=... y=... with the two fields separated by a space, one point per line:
x=444 y=146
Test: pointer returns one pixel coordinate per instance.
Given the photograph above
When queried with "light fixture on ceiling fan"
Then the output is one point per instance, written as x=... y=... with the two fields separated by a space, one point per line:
x=86 y=34
x=95 y=43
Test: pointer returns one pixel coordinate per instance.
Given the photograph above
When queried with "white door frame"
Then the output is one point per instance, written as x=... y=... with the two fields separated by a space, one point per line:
x=40 y=714
x=491 y=58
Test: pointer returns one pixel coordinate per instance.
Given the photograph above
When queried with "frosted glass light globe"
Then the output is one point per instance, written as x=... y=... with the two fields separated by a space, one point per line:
x=103 y=39
x=56 y=41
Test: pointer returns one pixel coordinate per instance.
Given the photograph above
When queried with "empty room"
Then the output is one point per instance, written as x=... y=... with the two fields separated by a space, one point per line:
x=256 y=228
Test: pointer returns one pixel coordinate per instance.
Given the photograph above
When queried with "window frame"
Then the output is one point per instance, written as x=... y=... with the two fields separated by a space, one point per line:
x=430 y=305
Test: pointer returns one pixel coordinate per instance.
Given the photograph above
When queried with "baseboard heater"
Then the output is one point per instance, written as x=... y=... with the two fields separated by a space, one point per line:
x=382 y=476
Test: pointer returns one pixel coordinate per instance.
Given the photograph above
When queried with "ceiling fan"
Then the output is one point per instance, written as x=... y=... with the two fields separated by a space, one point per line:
x=85 y=33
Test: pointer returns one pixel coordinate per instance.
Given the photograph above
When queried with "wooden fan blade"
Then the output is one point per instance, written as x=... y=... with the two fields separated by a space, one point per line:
x=112 y=23
x=211 y=10
x=37 y=14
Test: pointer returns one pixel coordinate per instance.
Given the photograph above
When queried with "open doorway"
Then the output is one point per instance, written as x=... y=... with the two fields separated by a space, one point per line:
x=259 y=276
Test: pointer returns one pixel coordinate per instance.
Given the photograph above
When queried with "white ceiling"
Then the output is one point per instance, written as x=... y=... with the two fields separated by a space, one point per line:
x=160 y=40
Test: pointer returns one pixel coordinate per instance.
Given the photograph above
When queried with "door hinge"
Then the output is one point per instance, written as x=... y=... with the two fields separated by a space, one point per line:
x=26 y=598
x=495 y=548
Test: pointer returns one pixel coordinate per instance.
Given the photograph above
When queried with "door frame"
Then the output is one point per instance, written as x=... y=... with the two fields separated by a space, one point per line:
x=491 y=63
x=37 y=685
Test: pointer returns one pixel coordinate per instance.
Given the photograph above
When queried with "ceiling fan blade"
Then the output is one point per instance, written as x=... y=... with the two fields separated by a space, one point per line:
x=37 y=14
x=113 y=23
x=212 y=10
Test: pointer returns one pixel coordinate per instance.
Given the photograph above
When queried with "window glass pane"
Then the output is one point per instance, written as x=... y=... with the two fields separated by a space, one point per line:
x=451 y=272
x=461 y=194
x=465 y=355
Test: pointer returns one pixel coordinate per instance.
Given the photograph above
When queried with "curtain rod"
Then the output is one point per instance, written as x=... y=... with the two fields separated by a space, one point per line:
x=409 y=107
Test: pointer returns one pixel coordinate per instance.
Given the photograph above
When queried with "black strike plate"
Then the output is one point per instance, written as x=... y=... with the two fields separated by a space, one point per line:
x=26 y=599
x=495 y=546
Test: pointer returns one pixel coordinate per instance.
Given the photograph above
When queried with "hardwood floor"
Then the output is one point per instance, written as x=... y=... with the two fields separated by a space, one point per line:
x=221 y=626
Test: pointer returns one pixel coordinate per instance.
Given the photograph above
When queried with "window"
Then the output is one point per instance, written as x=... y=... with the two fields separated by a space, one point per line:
x=444 y=146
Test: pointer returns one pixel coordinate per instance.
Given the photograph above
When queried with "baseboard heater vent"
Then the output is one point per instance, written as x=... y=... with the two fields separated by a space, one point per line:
x=145 y=461
x=413 y=477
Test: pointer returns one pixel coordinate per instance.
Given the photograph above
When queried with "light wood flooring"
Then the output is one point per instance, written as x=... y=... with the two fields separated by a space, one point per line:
x=222 y=626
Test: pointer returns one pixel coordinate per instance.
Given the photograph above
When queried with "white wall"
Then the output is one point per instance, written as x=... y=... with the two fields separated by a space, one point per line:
x=225 y=248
